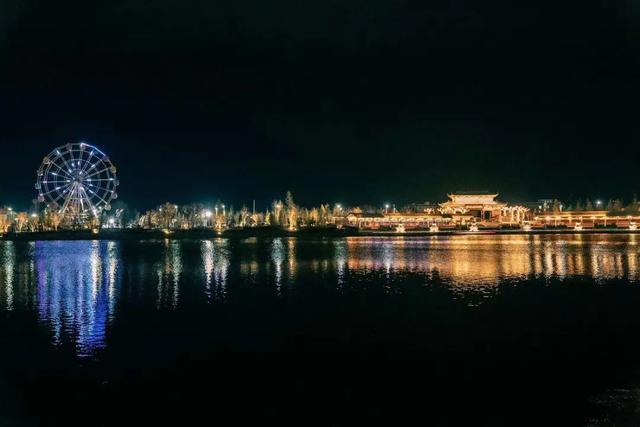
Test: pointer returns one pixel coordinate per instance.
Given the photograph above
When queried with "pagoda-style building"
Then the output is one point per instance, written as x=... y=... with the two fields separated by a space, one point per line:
x=481 y=207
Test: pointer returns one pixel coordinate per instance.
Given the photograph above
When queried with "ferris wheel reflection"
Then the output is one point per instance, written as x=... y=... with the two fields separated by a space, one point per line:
x=76 y=287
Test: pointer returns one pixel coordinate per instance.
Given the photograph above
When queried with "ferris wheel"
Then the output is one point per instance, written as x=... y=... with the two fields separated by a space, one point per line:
x=78 y=181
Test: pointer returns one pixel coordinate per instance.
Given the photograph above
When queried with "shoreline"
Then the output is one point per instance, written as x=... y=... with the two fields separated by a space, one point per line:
x=275 y=233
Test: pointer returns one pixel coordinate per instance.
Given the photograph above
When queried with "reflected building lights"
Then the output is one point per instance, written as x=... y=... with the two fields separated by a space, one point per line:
x=291 y=258
x=169 y=274
x=215 y=260
x=340 y=257
x=477 y=260
x=277 y=259
x=207 y=264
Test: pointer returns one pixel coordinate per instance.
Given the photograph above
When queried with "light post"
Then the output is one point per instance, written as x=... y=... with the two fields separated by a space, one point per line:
x=386 y=208
x=338 y=214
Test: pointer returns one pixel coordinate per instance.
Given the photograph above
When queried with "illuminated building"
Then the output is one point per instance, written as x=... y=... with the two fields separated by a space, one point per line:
x=586 y=219
x=462 y=208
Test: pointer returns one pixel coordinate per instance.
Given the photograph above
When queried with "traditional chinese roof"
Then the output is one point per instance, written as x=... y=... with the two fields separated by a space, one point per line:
x=472 y=200
x=474 y=193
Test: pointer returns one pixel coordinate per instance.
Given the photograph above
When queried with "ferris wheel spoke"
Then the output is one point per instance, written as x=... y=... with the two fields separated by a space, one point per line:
x=98 y=190
x=60 y=169
x=80 y=201
x=54 y=200
x=48 y=183
x=99 y=197
x=97 y=172
x=98 y=168
x=66 y=163
x=52 y=176
x=58 y=189
x=68 y=198
x=94 y=208
x=86 y=168
x=69 y=168
x=91 y=205
x=51 y=192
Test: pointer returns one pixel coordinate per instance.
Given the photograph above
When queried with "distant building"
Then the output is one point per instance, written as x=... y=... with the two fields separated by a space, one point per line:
x=462 y=208
x=585 y=219
x=478 y=205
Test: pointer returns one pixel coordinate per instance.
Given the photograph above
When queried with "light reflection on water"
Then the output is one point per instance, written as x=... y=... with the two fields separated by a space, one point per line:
x=75 y=291
x=75 y=288
x=168 y=272
x=486 y=259
x=215 y=262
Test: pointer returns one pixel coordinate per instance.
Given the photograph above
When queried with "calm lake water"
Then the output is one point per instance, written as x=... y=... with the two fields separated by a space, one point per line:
x=459 y=330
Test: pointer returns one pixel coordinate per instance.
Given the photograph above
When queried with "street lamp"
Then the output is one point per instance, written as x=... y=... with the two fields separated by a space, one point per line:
x=207 y=216
x=386 y=208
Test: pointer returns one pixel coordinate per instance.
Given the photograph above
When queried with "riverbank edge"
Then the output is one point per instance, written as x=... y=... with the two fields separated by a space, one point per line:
x=267 y=232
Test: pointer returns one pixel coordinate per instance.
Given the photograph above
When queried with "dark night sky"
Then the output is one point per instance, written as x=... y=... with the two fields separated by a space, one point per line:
x=361 y=101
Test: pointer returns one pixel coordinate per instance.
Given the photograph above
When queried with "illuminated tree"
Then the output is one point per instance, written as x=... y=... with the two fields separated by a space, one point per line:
x=122 y=214
x=4 y=222
x=257 y=219
x=243 y=217
x=314 y=216
x=191 y=216
x=291 y=212
x=33 y=223
x=303 y=216
x=276 y=213
x=168 y=214
x=55 y=219
x=324 y=215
